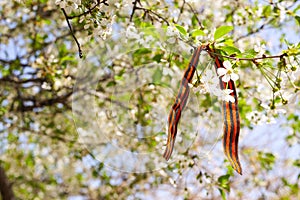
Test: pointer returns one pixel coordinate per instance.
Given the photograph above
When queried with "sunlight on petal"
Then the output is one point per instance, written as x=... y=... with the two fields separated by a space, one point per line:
x=226 y=78
x=221 y=71
x=234 y=76
x=227 y=64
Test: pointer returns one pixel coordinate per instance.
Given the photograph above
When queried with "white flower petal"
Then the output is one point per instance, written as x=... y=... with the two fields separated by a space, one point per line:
x=190 y=85
x=221 y=71
x=171 y=40
x=215 y=80
x=227 y=64
x=227 y=91
x=234 y=76
x=216 y=91
x=256 y=48
x=226 y=78
x=231 y=98
x=226 y=95
x=209 y=74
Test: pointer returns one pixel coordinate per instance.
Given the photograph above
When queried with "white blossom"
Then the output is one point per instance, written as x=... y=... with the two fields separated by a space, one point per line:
x=260 y=48
x=211 y=82
x=227 y=72
x=226 y=95
x=68 y=5
x=132 y=33
x=173 y=33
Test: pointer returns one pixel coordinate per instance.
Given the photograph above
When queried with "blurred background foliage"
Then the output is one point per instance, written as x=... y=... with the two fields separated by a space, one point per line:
x=41 y=153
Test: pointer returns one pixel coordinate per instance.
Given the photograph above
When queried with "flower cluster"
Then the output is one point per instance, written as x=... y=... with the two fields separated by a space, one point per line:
x=140 y=37
x=211 y=82
x=173 y=34
x=68 y=5
x=260 y=49
x=211 y=85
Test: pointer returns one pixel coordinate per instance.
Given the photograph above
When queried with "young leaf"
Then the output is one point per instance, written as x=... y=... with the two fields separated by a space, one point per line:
x=157 y=76
x=197 y=33
x=181 y=29
x=297 y=19
x=230 y=50
x=221 y=31
x=223 y=194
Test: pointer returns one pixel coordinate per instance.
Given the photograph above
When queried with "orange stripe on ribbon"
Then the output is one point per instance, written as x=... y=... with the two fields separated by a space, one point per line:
x=231 y=119
x=180 y=102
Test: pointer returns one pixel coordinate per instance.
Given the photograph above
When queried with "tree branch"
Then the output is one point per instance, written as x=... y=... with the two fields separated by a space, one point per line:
x=133 y=9
x=154 y=13
x=256 y=30
x=42 y=103
x=249 y=59
x=181 y=11
x=16 y=80
x=5 y=186
x=196 y=15
x=71 y=30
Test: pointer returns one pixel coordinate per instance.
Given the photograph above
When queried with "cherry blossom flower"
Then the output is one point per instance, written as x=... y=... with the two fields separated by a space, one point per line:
x=61 y=3
x=211 y=83
x=227 y=72
x=132 y=33
x=68 y=5
x=260 y=48
x=173 y=33
x=226 y=95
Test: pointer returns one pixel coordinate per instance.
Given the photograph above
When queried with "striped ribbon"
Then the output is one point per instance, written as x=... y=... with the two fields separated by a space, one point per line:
x=231 y=119
x=180 y=102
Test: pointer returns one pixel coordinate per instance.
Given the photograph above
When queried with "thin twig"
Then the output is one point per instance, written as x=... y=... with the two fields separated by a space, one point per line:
x=154 y=13
x=133 y=9
x=71 y=30
x=196 y=15
x=90 y=9
x=181 y=11
x=249 y=59
x=256 y=30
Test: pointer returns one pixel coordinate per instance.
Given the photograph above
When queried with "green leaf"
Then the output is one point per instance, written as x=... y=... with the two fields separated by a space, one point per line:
x=248 y=54
x=224 y=180
x=292 y=51
x=12 y=138
x=229 y=42
x=221 y=31
x=157 y=76
x=267 y=10
x=29 y=160
x=197 y=33
x=142 y=51
x=296 y=9
x=230 y=50
x=297 y=163
x=266 y=160
x=223 y=194
x=67 y=58
x=181 y=29
x=297 y=19
x=158 y=57
x=111 y=83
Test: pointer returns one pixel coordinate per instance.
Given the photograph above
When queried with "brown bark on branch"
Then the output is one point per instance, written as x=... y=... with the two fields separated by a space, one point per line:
x=5 y=187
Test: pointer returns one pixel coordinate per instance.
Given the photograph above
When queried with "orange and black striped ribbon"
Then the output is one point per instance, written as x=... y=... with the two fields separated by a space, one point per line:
x=231 y=119
x=180 y=102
